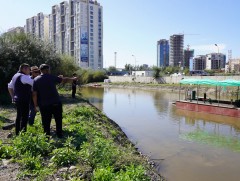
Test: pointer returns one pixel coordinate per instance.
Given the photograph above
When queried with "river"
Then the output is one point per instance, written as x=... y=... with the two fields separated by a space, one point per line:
x=187 y=146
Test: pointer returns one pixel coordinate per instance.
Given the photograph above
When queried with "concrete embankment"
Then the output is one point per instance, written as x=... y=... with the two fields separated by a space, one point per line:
x=166 y=79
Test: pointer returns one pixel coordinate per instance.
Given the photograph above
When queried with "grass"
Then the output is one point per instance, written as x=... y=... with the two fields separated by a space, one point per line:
x=92 y=143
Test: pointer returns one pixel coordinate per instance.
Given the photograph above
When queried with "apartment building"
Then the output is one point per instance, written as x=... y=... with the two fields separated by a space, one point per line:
x=38 y=26
x=233 y=65
x=163 y=53
x=215 y=61
x=176 y=50
x=18 y=29
x=76 y=28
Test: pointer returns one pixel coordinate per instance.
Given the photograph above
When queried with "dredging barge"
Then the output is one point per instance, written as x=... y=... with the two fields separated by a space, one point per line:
x=193 y=102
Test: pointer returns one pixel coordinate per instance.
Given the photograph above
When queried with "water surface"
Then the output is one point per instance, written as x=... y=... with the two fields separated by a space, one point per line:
x=187 y=146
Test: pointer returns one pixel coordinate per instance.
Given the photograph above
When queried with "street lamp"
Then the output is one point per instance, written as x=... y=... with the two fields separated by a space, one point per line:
x=218 y=56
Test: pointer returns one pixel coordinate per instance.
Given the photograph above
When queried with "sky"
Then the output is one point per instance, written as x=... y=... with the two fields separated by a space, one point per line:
x=133 y=27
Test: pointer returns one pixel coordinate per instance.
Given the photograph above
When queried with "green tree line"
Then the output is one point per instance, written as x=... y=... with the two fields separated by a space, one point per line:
x=18 y=48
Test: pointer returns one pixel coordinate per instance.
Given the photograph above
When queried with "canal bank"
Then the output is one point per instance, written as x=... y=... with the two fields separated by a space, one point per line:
x=94 y=148
x=227 y=92
x=186 y=145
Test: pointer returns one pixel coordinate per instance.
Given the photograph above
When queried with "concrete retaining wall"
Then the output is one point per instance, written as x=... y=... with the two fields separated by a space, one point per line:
x=168 y=80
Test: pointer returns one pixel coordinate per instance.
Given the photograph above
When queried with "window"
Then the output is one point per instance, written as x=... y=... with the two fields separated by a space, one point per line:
x=91 y=34
x=91 y=21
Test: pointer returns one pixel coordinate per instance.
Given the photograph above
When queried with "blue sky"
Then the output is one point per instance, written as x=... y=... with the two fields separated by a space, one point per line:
x=133 y=27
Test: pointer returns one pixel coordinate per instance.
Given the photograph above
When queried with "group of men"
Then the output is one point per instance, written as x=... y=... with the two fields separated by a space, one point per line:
x=37 y=92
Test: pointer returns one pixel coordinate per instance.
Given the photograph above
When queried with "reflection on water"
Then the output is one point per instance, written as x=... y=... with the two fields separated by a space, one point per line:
x=192 y=146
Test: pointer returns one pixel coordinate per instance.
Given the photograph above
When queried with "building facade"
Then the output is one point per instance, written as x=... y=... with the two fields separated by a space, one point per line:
x=176 y=50
x=233 y=65
x=199 y=62
x=187 y=55
x=215 y=61
x=75 y=28
x=38 y=26
x=18 y=29
x=163 y=53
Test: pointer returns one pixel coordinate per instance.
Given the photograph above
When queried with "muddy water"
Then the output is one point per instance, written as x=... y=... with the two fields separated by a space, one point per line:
x=187 y=146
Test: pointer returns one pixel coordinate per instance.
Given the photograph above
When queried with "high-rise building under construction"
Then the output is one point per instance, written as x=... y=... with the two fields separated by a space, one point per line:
x=176 y=50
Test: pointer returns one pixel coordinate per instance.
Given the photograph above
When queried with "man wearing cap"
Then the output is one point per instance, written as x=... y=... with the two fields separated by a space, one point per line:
x=20 y=90
x=34 y=73
x=45 y=95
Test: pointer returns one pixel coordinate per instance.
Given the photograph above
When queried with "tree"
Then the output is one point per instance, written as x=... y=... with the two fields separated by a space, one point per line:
x=112 y=69
x=67 y=66
x=18 y=48
x=156 y=72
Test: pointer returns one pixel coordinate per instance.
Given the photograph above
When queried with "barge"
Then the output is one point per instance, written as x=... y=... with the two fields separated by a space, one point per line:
x=193 y=102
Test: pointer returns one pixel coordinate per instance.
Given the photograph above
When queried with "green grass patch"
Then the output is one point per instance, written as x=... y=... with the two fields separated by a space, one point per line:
x=92 y=143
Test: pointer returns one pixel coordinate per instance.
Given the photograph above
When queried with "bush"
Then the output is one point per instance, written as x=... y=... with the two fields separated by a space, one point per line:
x=36 y=144
x=65 y=156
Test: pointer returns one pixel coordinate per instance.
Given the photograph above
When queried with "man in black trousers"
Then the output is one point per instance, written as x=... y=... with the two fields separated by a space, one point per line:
x=45 y=95
x=74 y=86
x=20 y=91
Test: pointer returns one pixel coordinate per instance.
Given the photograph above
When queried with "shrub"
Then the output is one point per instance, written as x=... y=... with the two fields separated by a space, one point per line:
x=36 y=144
x=65 y=156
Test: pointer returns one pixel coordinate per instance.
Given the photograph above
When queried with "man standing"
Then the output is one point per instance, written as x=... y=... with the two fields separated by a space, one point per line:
x=34 y=73
x=74 y=86
x=20 y=91
x=45 y=95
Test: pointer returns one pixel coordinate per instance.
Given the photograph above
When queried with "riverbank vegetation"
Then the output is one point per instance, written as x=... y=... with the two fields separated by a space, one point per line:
x=93 y=148
x=18 y=48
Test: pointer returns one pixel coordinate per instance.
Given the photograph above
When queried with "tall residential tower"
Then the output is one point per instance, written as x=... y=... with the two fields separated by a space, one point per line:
x=162 y=53
x=74 y=27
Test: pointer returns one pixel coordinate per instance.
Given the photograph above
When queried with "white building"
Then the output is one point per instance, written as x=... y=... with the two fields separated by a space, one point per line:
x=76 y=28
x=215 y=61
x=38 y=26
x=233 y=65
x=146 y=73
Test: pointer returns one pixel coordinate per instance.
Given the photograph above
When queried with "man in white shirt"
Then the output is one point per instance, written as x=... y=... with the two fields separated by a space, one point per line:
x=20 y=90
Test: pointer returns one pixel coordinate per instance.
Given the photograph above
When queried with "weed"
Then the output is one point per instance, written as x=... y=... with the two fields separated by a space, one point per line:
x=103 y=174
x=34 y=143
x=32 y=166
x=65 y=156
x=6 y=151
x=131 y=173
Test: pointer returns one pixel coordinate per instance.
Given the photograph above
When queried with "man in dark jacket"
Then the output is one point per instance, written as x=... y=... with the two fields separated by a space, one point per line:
x=74 y=86
x=45 y=95
x=20 y=91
